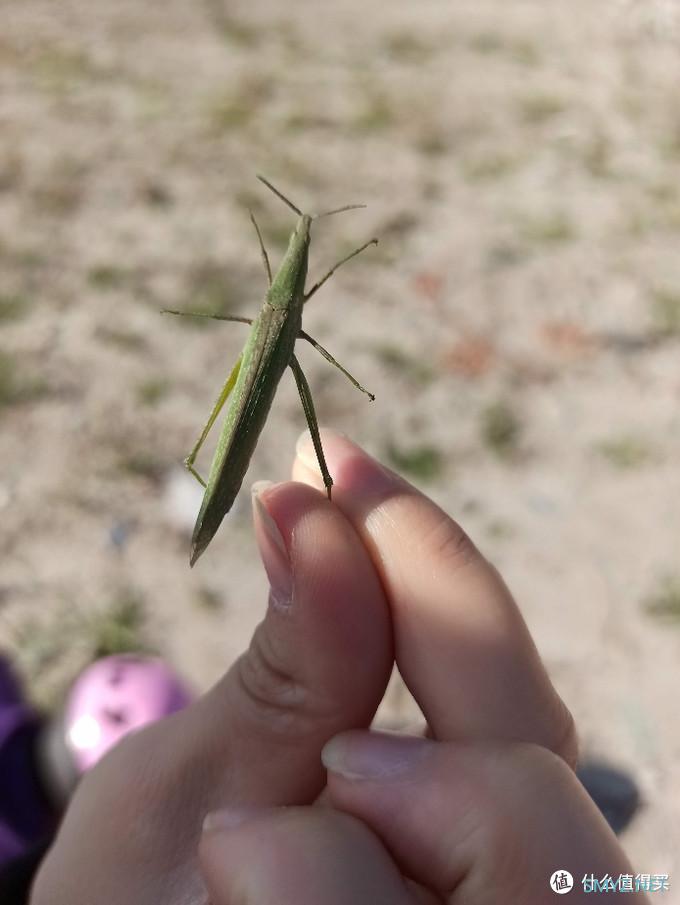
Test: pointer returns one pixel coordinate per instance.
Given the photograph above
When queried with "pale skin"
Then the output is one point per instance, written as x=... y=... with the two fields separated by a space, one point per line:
x=482 y=811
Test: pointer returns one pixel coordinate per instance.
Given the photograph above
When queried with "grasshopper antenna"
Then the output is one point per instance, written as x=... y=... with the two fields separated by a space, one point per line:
x=338 y=210
x=280 y=195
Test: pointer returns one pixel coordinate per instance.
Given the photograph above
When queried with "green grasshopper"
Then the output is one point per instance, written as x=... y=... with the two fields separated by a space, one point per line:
x=268 y=351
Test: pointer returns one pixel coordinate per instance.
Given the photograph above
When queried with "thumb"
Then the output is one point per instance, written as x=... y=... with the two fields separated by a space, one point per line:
x=292 y=689
x=296 y=856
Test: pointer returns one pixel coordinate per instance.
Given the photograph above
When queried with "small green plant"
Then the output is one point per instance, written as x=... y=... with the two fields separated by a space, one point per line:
x=501 y=429
x=395 y=359
x=486 y=168
x=525 y=52
x=487 y=42
x=240 y=106
x=431 y=140
x=233 y=30
x=150 y=392
x=664 y=602
x=597 y=156
x=375 y=115
x=425 y=462
x=625 y=451
x=107 y=276
x=61 y=188
x=500 y=529
x=122 y=338
x=405 y=47
x=537 y=109
x=142 y=464
x=551 y=228
x=15 y=386
x=13 y=307
x=119 y=629
x=209 y=600
x=666 y=311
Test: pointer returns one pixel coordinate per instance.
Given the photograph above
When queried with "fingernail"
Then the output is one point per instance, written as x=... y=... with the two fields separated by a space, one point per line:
x=272 y=549
x=229 y=818
x=349 y=465
x=374 y=755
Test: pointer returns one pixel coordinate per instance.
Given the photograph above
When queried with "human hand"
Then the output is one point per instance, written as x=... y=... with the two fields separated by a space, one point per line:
x=383 y=560
x=485 y=811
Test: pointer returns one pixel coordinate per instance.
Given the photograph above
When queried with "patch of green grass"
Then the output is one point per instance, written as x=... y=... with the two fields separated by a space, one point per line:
x=142 y=464
x=239 y=107
x=232 y=29
x=664 y=602
x=119 y=629
x=664 y=217
x=11 y=170
x=41 y=645
x=405 y=47
x=16 y=387
x=208 y=599
x=150 y=392
x=519 y=50
x=432 y=141
x=424 y=462
x=500 y=529
x=376 y=114
x=398 y=226
x=504 y=254
x=666 y=311
x=13 y=307
x=401 y=364
x=486 y=168
x=487 y=42
x=156 y=194
x=536 y=109
x=108 y=276
x=551 y=228
x=597 y=157
x=304 y=120
x=61 y=69
x=61 y=189
x=625 y=451
x=525 y=52
x=128 y=340
x=501 y=429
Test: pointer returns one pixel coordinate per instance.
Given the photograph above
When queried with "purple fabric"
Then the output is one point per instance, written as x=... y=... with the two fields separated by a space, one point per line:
x=25 y=815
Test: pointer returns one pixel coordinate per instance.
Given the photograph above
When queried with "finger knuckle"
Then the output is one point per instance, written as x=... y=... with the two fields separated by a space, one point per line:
x=272 y=688
x=448 y=543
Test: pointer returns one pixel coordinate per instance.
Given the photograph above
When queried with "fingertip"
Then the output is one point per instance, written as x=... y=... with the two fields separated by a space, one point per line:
x=351 y=467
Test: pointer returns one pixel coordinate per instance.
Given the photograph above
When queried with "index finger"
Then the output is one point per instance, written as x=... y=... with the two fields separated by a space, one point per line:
x=461 y=643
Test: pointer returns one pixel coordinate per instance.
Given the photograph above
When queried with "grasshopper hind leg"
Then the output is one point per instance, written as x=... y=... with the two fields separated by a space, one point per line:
x=217 y=408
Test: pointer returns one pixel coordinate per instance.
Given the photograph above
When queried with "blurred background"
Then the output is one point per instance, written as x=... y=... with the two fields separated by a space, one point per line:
x=519 y=322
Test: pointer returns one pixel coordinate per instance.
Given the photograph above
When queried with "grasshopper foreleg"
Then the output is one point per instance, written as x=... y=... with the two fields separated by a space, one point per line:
x=317 y=286
x=310 y=415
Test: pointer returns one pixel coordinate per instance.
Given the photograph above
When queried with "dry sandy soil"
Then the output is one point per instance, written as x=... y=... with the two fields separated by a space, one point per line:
x=519 y=322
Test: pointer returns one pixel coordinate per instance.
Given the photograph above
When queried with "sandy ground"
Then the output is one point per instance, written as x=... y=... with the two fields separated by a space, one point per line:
x=519 y=322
